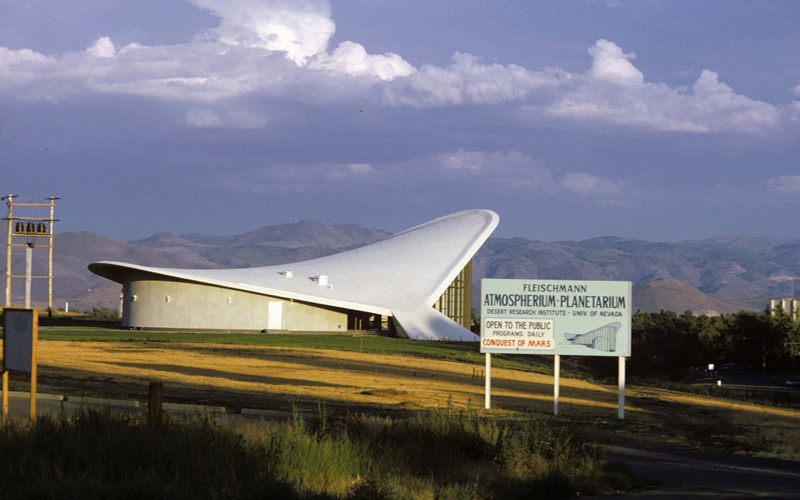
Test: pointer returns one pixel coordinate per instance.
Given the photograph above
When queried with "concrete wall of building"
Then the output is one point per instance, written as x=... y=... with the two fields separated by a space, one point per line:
x=153 y=302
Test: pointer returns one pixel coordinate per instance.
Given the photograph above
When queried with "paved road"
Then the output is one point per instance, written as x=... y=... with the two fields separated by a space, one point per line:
x=47 y=404
x=685 y=474
x=19 y=405
x=734 y=379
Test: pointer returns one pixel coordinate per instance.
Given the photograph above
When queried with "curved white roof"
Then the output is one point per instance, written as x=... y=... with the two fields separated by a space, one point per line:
x=400 y=276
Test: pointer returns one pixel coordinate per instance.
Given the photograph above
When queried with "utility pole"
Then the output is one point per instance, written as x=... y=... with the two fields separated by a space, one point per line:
x=30 y=228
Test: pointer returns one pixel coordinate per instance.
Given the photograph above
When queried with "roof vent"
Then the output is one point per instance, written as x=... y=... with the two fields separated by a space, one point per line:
x=322 y=280
x=288 y=274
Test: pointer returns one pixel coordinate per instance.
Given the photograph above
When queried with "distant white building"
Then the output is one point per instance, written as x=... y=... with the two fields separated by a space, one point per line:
x=419 y=279
x=789 y=306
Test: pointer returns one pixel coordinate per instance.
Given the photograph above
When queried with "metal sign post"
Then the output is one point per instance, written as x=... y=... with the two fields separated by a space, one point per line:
x=556 y=381
x=28 y=274
x=488 y=380
x=621 y=401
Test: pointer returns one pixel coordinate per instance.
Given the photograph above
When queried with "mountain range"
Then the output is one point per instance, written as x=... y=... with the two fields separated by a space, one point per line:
x=715 y=275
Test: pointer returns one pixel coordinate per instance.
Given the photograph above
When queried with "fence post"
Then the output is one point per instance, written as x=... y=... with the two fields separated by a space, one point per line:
x=154 y=399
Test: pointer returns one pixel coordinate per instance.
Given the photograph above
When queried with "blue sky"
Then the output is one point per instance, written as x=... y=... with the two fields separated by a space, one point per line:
x=657 y=120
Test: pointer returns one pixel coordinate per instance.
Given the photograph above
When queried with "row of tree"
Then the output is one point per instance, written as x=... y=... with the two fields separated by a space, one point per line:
x=666 y=342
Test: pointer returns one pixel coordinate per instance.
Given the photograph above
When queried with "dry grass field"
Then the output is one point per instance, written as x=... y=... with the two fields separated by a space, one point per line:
x=281 y=378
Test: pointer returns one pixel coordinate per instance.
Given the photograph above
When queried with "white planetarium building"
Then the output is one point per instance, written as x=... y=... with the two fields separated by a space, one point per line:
x=419 y=279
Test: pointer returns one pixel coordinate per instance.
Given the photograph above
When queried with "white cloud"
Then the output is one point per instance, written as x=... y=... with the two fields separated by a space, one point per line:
x=464 y=160
x=103 y=47
x=610 y=64
x=515 y=172
x=792 y=111
x=352 y=58
x=467 y=81
x=510 y=167
x=297 y=178
x=300 y=29
x=23 y=68
x=361 y=168
x=615 y=92
x=587 y=184
x=275 y=49
x=612 y=91
x=211 y=118
x=503 y=173
x=265 y=50
x=203 y=118
x=789 y=184
x=734 y=112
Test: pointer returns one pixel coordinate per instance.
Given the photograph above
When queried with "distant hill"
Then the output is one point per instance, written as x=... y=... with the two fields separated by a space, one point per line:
x=674 y=295
x=739 y=270
x=721 y=274
x=74 y=250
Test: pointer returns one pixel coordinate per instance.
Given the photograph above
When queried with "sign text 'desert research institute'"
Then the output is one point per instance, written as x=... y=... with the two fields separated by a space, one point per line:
x=569 y=318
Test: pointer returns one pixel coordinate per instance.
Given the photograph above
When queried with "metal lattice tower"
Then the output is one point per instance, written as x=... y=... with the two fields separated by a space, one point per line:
x=30 y=228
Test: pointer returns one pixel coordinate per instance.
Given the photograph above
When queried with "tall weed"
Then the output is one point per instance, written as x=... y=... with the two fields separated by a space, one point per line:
x=449 y=454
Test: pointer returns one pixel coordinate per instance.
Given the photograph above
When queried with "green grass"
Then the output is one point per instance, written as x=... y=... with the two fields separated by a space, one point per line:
x=447 y=455
x=453 y=351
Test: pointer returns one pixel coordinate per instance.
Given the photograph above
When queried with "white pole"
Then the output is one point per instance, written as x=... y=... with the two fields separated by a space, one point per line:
x=28 y=265
x=556 y=381
x=488 y=380
x=621 y=411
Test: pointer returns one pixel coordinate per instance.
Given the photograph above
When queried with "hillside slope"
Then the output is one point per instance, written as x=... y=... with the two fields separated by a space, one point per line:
x=739 y=270
x=674 y=295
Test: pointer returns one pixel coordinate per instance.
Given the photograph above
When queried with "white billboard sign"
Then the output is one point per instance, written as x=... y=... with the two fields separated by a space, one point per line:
x=572 y=318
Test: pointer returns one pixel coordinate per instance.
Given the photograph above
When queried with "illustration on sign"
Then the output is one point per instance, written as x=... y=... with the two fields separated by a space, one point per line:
x=581 y=318
x=602 y=339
